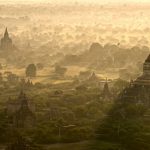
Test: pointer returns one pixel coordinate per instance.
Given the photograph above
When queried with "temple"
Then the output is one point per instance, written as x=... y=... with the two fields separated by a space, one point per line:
x=93 y=80
x=106 y=94
x=20 y=112
x=6 y=42
x=144 y=79
x=93 y=77
x=138 y=91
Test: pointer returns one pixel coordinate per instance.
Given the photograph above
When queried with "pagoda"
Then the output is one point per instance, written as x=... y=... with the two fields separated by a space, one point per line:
x=24 y=117
x=20 y=112
x=138 y=91
x=144 y=79
x=6 y=42
x=106 y=94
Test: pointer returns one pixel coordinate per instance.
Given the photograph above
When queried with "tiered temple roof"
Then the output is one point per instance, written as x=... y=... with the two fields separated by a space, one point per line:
x=6 y=42
x=144 y=79
x=139 y=90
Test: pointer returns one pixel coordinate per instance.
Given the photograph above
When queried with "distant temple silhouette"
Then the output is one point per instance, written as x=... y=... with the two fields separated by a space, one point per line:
x=139 y=90
x=93 y=77
x=144 y=79
x=6 y=42
x=20 y=111
x=106 y=94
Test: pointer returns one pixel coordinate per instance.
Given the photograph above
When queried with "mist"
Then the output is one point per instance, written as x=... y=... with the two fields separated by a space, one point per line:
x=74 y=74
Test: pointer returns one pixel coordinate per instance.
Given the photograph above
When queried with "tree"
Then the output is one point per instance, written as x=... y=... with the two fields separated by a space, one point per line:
x=31 y=70
x=120 y=84
x=126 y=127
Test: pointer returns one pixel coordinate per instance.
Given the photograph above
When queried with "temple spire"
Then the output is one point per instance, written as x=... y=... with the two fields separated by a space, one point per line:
x=6 y=35
x=6 y=42
x=106 y=94
x=106 y=88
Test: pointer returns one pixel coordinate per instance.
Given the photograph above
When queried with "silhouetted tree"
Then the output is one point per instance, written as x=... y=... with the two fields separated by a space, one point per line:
x=31 y=70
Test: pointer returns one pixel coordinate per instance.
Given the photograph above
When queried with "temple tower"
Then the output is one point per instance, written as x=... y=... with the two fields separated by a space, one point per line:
x=144 y=79
x=6 y=42
x=106 y=94
x=23 y=117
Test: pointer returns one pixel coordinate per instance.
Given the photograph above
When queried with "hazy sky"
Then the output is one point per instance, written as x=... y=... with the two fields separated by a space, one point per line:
x=70 y=1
